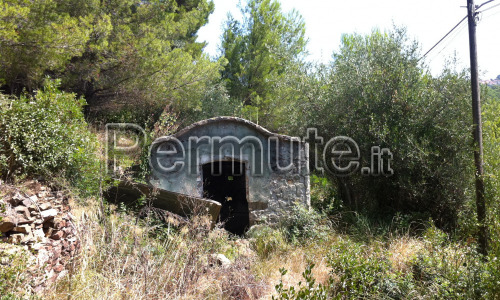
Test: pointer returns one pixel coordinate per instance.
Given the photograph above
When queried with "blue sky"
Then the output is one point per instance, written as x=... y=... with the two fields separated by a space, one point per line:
x=426 y=21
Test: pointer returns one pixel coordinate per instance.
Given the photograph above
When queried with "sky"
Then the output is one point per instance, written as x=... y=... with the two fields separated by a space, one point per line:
x=427 y=21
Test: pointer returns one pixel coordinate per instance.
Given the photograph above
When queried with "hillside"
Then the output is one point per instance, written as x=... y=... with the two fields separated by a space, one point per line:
x=492 y=82
x=256 y=174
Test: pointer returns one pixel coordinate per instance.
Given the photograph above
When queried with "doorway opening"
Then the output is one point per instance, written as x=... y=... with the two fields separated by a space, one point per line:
x=225 y=182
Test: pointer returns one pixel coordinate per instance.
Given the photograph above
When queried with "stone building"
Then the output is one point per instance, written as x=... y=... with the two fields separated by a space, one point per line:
x=255 y=174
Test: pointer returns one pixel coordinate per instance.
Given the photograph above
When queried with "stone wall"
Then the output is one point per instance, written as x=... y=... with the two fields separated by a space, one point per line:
x=270 y=193
x=286 y=189
x=37 y=219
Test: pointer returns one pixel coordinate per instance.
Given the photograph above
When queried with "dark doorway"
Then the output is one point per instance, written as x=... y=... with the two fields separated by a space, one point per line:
x=225 y=182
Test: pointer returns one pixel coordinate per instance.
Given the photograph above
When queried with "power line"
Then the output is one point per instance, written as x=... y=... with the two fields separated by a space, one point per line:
x=486 y=9
x=446 y=42
x=479 y=6
x=449 y=40
x=444 y=37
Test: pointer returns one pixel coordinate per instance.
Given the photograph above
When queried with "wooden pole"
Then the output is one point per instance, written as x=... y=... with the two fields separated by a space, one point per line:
x=477 y=130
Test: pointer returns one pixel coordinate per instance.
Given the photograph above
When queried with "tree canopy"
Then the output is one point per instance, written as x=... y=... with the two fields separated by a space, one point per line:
x=138 y=61
x=111 y=52
x=376 y=92
x=259 y=53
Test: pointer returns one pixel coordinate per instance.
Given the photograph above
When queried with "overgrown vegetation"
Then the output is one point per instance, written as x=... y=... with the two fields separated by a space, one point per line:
x=393 y=266
x=45 y=134
x=377 y=93
x=13 y=274
x=68 y=67
x=127 y=257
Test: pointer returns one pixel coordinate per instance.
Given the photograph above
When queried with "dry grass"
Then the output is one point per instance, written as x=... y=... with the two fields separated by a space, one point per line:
x=295 y=260
x=122 y=259
x=402 y=251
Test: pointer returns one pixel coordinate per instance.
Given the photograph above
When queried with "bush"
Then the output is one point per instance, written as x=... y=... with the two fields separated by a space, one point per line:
x=324 y=195
x=304 y=223
x=215 y=103
x=451 y=271
x=13 y=273
x=491 y=137
x=46 y=135
x=378 y=93
x=360 y=270
x=266 y=240
x=308 y=291
x=436 y=267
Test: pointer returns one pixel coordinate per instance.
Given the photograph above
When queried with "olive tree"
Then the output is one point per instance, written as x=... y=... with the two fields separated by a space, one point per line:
x=379 y=94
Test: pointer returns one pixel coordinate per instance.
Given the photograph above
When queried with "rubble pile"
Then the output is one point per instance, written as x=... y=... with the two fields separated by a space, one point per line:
x=38 y=219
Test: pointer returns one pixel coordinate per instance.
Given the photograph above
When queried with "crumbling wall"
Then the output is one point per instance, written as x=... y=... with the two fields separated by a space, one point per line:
x=38 y=220
x=270 y=192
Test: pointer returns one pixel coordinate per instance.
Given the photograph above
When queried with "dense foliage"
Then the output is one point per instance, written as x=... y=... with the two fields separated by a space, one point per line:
x=37 y=37
x=47 y=135
x=140 y=54
x=378 y=94
x=261 y=52
x=409 y=235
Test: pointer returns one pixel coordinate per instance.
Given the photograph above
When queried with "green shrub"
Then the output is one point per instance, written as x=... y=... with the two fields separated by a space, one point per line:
x=451 y=272
x=308 y=291
x=214 y=103
x=304 y=223
x=266 y=240
x=13 y=272
x=324 y=195
x=135 y=114
x=491 y=138
x=360 y=270
x=46 y=135
x=492 y=276
x=378 y=93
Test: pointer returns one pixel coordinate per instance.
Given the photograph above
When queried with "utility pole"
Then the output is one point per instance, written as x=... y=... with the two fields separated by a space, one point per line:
x=477 y=127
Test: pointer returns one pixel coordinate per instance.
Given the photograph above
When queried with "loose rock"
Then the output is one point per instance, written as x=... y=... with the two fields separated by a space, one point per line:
x=7 y=224
x=38 y=219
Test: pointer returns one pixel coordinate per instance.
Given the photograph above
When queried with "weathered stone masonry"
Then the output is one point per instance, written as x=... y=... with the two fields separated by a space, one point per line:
x=36 y=223
x=276 y=166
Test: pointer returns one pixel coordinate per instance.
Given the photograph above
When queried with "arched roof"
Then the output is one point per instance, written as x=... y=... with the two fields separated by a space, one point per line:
x=235 y=120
